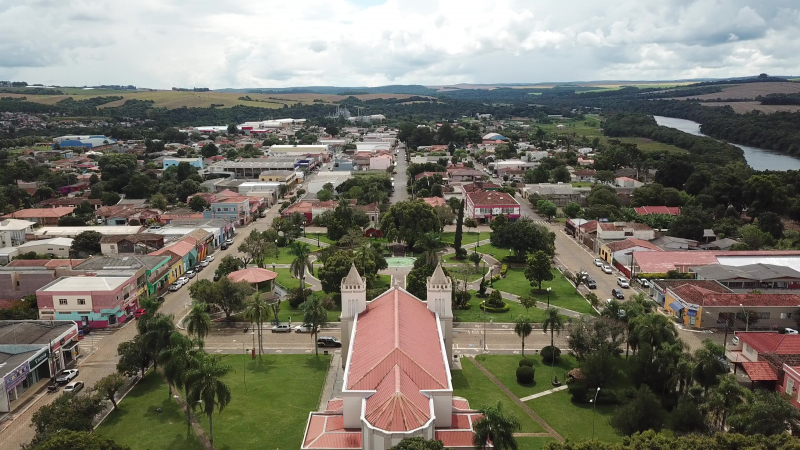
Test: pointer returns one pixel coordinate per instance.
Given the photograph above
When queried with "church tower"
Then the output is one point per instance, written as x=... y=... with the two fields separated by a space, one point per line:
x=354 y=300
x=440 y=301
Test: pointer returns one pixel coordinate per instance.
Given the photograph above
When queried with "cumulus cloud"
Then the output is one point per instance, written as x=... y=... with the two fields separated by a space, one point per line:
x=235 y=43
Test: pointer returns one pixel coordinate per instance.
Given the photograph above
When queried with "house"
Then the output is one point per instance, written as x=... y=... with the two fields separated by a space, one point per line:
x=396 y=354
x=484 y=205
x=381 y=162
x=42 y=216
x=222 y=229
x=13 y=232
x=693 y=305
x=96 y=301
x=422 y=175
x=150 y=271
x=672 y=243
x=287 y=177
x=170 y=161
x=228 y=205
x=184 y=249
x=48 y=232
x=459 y=175
x=180 y=214
x=770 y=360
x=751 y=276
x=669 y=210
x=660 y=288
x=627 y=183
x=22 y=277
x=560 y=194
x=612 y=251
x=122 y=214
x=480 y=186
x=584 y=175
x=434 y=201
x=55 y=248
x=70 y=201
x=140 y=243
x=662 y=262
x=609 y=231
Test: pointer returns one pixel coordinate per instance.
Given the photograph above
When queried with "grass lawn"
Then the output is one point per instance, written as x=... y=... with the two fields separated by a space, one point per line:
x=138 y=425
x=574 y=421
x=475 y=314
x=296 y=314
x=472 y=275
x=384 y=281
x=504 y=367
x=322 y=238
x=562 y=293
x=474 y=386
x=580 y=184
x=466 y=237
x=286 y=279
x=532 y=443
x=284 y=257
x=496 y=252
x=281 y=391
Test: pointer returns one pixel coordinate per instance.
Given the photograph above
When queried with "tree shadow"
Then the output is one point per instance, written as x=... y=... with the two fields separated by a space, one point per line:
x=259 y=365
x=318 y=364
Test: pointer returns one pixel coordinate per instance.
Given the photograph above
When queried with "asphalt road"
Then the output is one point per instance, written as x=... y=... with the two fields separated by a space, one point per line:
x=400 y=178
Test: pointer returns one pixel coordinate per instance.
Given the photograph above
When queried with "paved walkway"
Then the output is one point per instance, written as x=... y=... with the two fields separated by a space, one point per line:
x=550 y=431
x=542 y=394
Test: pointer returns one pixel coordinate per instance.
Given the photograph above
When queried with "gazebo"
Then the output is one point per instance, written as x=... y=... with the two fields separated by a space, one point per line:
x=261 y=279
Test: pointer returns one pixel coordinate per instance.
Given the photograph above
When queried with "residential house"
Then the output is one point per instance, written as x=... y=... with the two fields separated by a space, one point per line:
x=42 y=216
x=627 y=183
x=750 y=276
x=380 y=162
x=770 y=360
x=13 y=232
x=461 y=175
x=70 y=201
x=612 y=251
x=180 y=214
x=150 y=271
x=611 y=231
x=287 y=177
x=483 y=206
x=672 y=243
x=122 y=214
x=422 y=175
x=584 y=175
x=228 y=205
x=96 y=301
x=140 y=243
x=434 y=201
x=22 y=277
x=560 y=194
x=55 y=248
x=185 y=249
x=659 y=288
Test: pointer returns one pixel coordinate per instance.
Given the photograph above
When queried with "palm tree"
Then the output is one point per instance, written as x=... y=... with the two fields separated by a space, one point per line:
x=316 y=316
x=198 y=322
x=497 y=427
x=207 y=389
x=178 y=359
x=257 y=311
x=722 y=399
x=156 y=332
x=301 y=252
x=553 y=322
x=708 y=364
x=523 y=329
x=432 y=244
x=654 y=330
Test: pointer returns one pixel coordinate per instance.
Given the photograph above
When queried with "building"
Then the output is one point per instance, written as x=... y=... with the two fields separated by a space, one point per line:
x=41 y=216
x=663 y=262
x=149 y=271
x=584 y=175
x=483 y=206
x=770 y=360
x=612 y=231
x=560 y=194
x=612 y=251
x=627 y=183
x=91 y=141
x=140 y=243
x=672 y=243
x=185 y=249
x=221 y=229
x=380 y=162
x=71 y=232
x=751 y=276
x=669 y=210
x=396 y=353
x=659 y=288
x=23 y=277
x=31 y=353
x=300 y=150
x=252 y=168
x=13 y=232
x=97 y=301
x=287 y=177
x=121 y=214
x=462 y=175
x=170 y=161
x=55 y=248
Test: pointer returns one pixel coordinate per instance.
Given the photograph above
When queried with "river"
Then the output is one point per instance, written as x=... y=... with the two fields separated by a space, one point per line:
x=757 y=158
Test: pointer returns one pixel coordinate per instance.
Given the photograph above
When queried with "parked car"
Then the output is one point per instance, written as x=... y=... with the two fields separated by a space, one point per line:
x=190 y=273
x=607 y=268
x=66 y=376
x=229 y=242
x=175 y=286
x=599 y=262
x=282 y=328
x=183 y=280
x=617 y=294
x=328 y=341
x=216 y=277
x=203 y=263
x=303 y=329
x=623 y=283
x=643 y=282
x=591 y=284
x=224 y=246
x=790 y=331
x=139 y=312
x=209 y=258
x=74 y=387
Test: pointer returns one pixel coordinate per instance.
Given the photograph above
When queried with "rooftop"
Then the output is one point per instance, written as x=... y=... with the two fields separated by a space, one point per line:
x=621 y=226
x=631 y=243
x=756 y=272
x=764 y=342
x=65 y=242
x=134 y=238
x=41 y=213
x=32 y=331
x=491 y=198
x=85 y=284
x=644 y=210
x=15 y=224
x=253 y=275
x=663 y=262
x=116 y=262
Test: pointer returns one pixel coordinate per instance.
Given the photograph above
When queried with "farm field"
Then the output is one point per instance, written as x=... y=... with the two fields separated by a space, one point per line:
x=748 y=90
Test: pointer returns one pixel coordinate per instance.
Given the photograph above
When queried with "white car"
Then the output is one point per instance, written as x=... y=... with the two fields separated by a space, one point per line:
x=209 y=259
x=74 y=387
x=190 y=273
x=644 y=282
x=598 y=262
x=623 y=283
x=66 y=376
x=229 y=242
x=282 y=328
x=203 y=263
x=303 y=329
x=184 y=280
x=175 y=286
x=607 y=268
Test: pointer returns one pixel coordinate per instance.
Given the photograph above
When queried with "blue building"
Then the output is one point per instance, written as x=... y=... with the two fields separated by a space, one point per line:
x=194 y=162
x=83 y=141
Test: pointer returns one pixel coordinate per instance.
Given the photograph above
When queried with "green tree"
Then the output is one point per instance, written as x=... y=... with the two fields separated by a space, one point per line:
x=315 y=315
x=722 y=399
x=198 y=203
x=301 y=262
x=257 y=312
x=335 y=269
x=751 y=236
x=87 y=243
x=547 y=208
x=523 y=329
x=206 y=388
x=496 y=427
x=418 y=443
x=109 y=386
x=459 y=225
x=134 y=357
x=407 y=220
x=572 y=210
x=324 y=195
x=554 y=322
x=765 y=412
x=155 y=330
x=66 y=413
x=560 y=175
x=522 y=237
x=158 y=201
x=539 y=269
x=642 y=413
x=527 y=302
x=431 y=244
x=228 y=265
x=79 y=440
x=709 y=364
x=209 y=150
x=198 y=321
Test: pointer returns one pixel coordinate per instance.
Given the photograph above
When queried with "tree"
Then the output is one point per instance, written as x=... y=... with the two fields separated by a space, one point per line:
x=81 y=440
x=522 y=237
x=155 y=331
x=418 y=443
x=133 y=357
x=334 y=270
x=496 y=427
x=539 y=269
x=527 y=302
x=108 y=387
x=751 y=236
x=408 y=220
x=66 y=413
x=523 y=329
x=301 y=262
x=207 y=389
x=228 y=265
x=158 y=201
x=561 y=175
x=87 y=243
x=198 y=203
x=572 y=210
x=446 y=217
x=432 y=244
x=332 y=130
x=256 y=246
x=547 y=208
x=459 y=225
x=722 y=399
x=553 y=322
x=71 y=221
x=709 y=364
x=469 y=222
x=209 y=150
x=593 y=335
x=642 y=413
x=198 y=321
x=345 y=218
x=324 y=195
x=538 y=175
x=771 y=223
x=316 y=316
x=764 y=412
x=230 y=296
x=257 y=312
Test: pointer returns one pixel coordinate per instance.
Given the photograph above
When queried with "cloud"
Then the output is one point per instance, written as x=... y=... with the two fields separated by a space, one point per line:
x=234 y=43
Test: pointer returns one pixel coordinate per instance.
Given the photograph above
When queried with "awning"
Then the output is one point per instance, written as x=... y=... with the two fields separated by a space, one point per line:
x=759 y=371
x=676 y=306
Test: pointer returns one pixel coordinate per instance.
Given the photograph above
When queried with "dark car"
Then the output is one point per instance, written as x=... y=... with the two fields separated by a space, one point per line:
x=617 y=293
x=591 y=284
x=224 y=246
x=328 y=341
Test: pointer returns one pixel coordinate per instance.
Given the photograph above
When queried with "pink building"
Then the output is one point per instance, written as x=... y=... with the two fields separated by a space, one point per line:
x=89 y=300
x=485 y=205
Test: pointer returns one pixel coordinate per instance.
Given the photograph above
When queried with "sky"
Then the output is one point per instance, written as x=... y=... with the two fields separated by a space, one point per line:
x=268 y=43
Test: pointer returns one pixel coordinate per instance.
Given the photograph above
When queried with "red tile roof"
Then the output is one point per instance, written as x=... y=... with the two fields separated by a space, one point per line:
x=774 y=343
x=40 y=213
x=752 y=300
x=180 y=248
x=693 y=291
x=253 y=275
x=398 y=404
x=588 y=227
x=429 y=174
x=6 y=303
x=434 y=201
x=663 y=262
x=28 y=263
x=759 y=371
x=491 y=198
x=319 y=434
x=631 y=243
x=644 y=210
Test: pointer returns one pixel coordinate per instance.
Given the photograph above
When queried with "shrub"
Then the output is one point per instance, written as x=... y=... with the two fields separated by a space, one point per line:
x=503 y=270
x=461 y=253
x=496 y=310
x=495 y=300
x=550 y=354
x=461 y=300
x=525 y=375
x=526 y=362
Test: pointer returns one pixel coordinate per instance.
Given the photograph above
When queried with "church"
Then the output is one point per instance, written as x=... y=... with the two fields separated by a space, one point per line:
x=396 y=354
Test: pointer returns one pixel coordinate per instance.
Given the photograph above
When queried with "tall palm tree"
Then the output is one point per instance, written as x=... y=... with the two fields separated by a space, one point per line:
x=553 y=322
x=722 y=399
x=654 y=330
x=523 y=329
x=302 y=261
x=316 y=316
x=708 y=364
x=432 y=244
x=206 y=388
x=257 y=311
x=178 y=359
x=156 y=332
x=198 y=321
x=497 y=427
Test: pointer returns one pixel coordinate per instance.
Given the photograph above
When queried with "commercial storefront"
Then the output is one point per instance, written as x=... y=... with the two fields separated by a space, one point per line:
x=19 y=379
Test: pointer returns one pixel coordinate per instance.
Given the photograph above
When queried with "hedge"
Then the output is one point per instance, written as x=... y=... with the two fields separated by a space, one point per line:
x=547 y=354
x=526 y=362
x=525 y=374
x=490 y=309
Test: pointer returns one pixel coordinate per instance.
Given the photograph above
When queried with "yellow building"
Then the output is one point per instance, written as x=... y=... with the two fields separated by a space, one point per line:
x=284 y=176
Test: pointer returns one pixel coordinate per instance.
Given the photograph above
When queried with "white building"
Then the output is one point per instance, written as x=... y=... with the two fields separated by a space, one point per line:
x=56 y=247
x=298 y=150
x=71 y=232
x=13 y=231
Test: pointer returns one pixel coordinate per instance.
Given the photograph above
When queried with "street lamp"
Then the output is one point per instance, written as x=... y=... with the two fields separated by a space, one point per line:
x=594 y=408
x=548 y=297
x=746 y=319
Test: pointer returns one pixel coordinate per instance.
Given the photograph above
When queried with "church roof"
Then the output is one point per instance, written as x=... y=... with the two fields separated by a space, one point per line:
x=398 y=404
x=353 y=278
x=438 y=276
